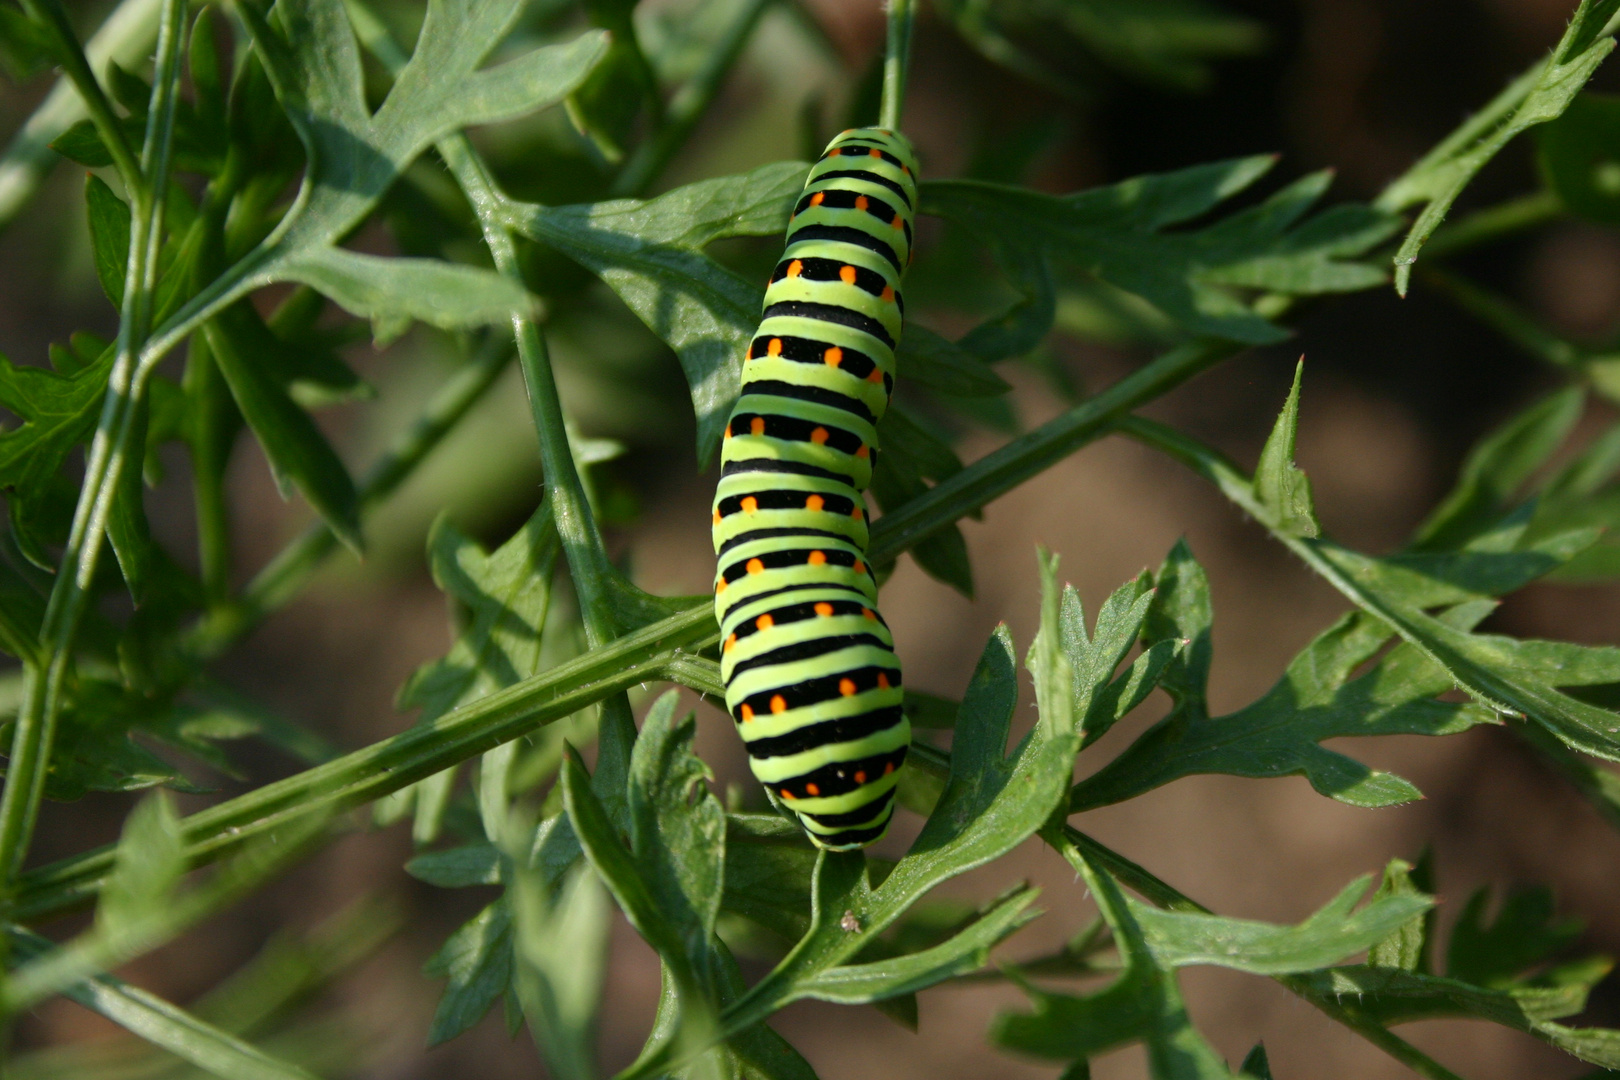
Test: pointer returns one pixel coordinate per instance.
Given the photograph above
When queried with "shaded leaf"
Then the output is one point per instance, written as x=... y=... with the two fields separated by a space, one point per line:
x=477 y=961
x=149 y=864
x=1577 y=157
x=562 y=958
x=1280 y=485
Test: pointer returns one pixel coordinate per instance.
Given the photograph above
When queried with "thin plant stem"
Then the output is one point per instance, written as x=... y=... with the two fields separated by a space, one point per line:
x=896 y=58
x=76 y=66
x=125 y=37
x=688 y=106
x=34 y=729
x=1494 y=223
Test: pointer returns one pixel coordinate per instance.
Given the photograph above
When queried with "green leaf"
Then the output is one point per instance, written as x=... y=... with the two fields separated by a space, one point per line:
x=1390 y=996
x=1337 y=930
x=1280 y=734
x=1497 y=467
x=1256 y=1064
x=1098 y=698
x=150 y=862
x=297 y=450
x=1120 y=234
x=650 y=253
x=1577 y=158
x=562 y=945
x=25 y=46
x=1407 y=947
x=477 y=961
x=82 y=145
x=109 y=236
x=927 y=359
x=1524 y=933
x=1280 y=485
x=1540 y=95
x=58 y=412
x=309 y=53
x=459 y=867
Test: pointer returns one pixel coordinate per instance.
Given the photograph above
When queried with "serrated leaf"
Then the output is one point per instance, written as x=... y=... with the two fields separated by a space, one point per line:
x=109 y=236
x=1497 y=467
x=1540 y=95
x=459 y=867
x=651 y=254
x=562 y=945
x=150 y=861
x=1391 y=996
x=1118 y=234
x=297 y=450
x=1280 y=485
x=1407 y=947
x=1577 y=157
x=477 y=961
x=1498 y=952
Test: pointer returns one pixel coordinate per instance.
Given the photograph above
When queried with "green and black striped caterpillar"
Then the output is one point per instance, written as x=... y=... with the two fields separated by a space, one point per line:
x=809 y=665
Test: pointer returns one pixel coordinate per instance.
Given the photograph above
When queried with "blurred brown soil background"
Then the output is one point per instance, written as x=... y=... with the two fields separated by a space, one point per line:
x=1395 y=391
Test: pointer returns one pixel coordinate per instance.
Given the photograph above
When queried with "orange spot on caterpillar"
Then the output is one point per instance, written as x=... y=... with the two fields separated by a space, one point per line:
x=795 y=268
x=756 y=426
x=862 y=202
x=731 y=643
x=874 y=152
x=755 y=566
x=860 y=777
x=812 y=789
x=764 y=622
x=819 y=436
x=747 y=713
x=869 y=613
x=858 y=513
x=817 y=558
x=720 y=586
x=824 y=609
x=833 y=356
x=847 y=275
x=835 y=151
x=883 y=681
x=787 y=795
x=888 y=294
x=889 y=768
x=778 y=704
x=896 y=224
x=863 y=452
x=775 y=347
x=818 y=198
x=717 y=517
x=860 y=567
x=814 y=502
x=876 y=376
x=750 y=505
x=846 y=687
x=905 y=170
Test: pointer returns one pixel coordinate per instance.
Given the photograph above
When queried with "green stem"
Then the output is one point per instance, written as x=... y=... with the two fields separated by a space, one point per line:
x=1004 y=469
x=688 y=106
x=126 y=37
x=70 y=55
x=35 y=726
x=896 y=57
x=387 y=766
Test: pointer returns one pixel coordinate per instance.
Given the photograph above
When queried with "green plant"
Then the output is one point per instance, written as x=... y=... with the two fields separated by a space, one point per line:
x=224 y=171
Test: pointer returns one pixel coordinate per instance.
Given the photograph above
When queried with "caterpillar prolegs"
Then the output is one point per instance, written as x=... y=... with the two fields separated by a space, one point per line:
x=809 y=666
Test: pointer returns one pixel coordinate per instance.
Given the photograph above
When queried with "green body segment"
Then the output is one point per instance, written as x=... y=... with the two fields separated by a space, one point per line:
x=811 y=676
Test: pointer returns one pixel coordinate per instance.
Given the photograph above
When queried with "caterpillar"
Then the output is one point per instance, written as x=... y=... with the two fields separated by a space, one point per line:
x=809 y=666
